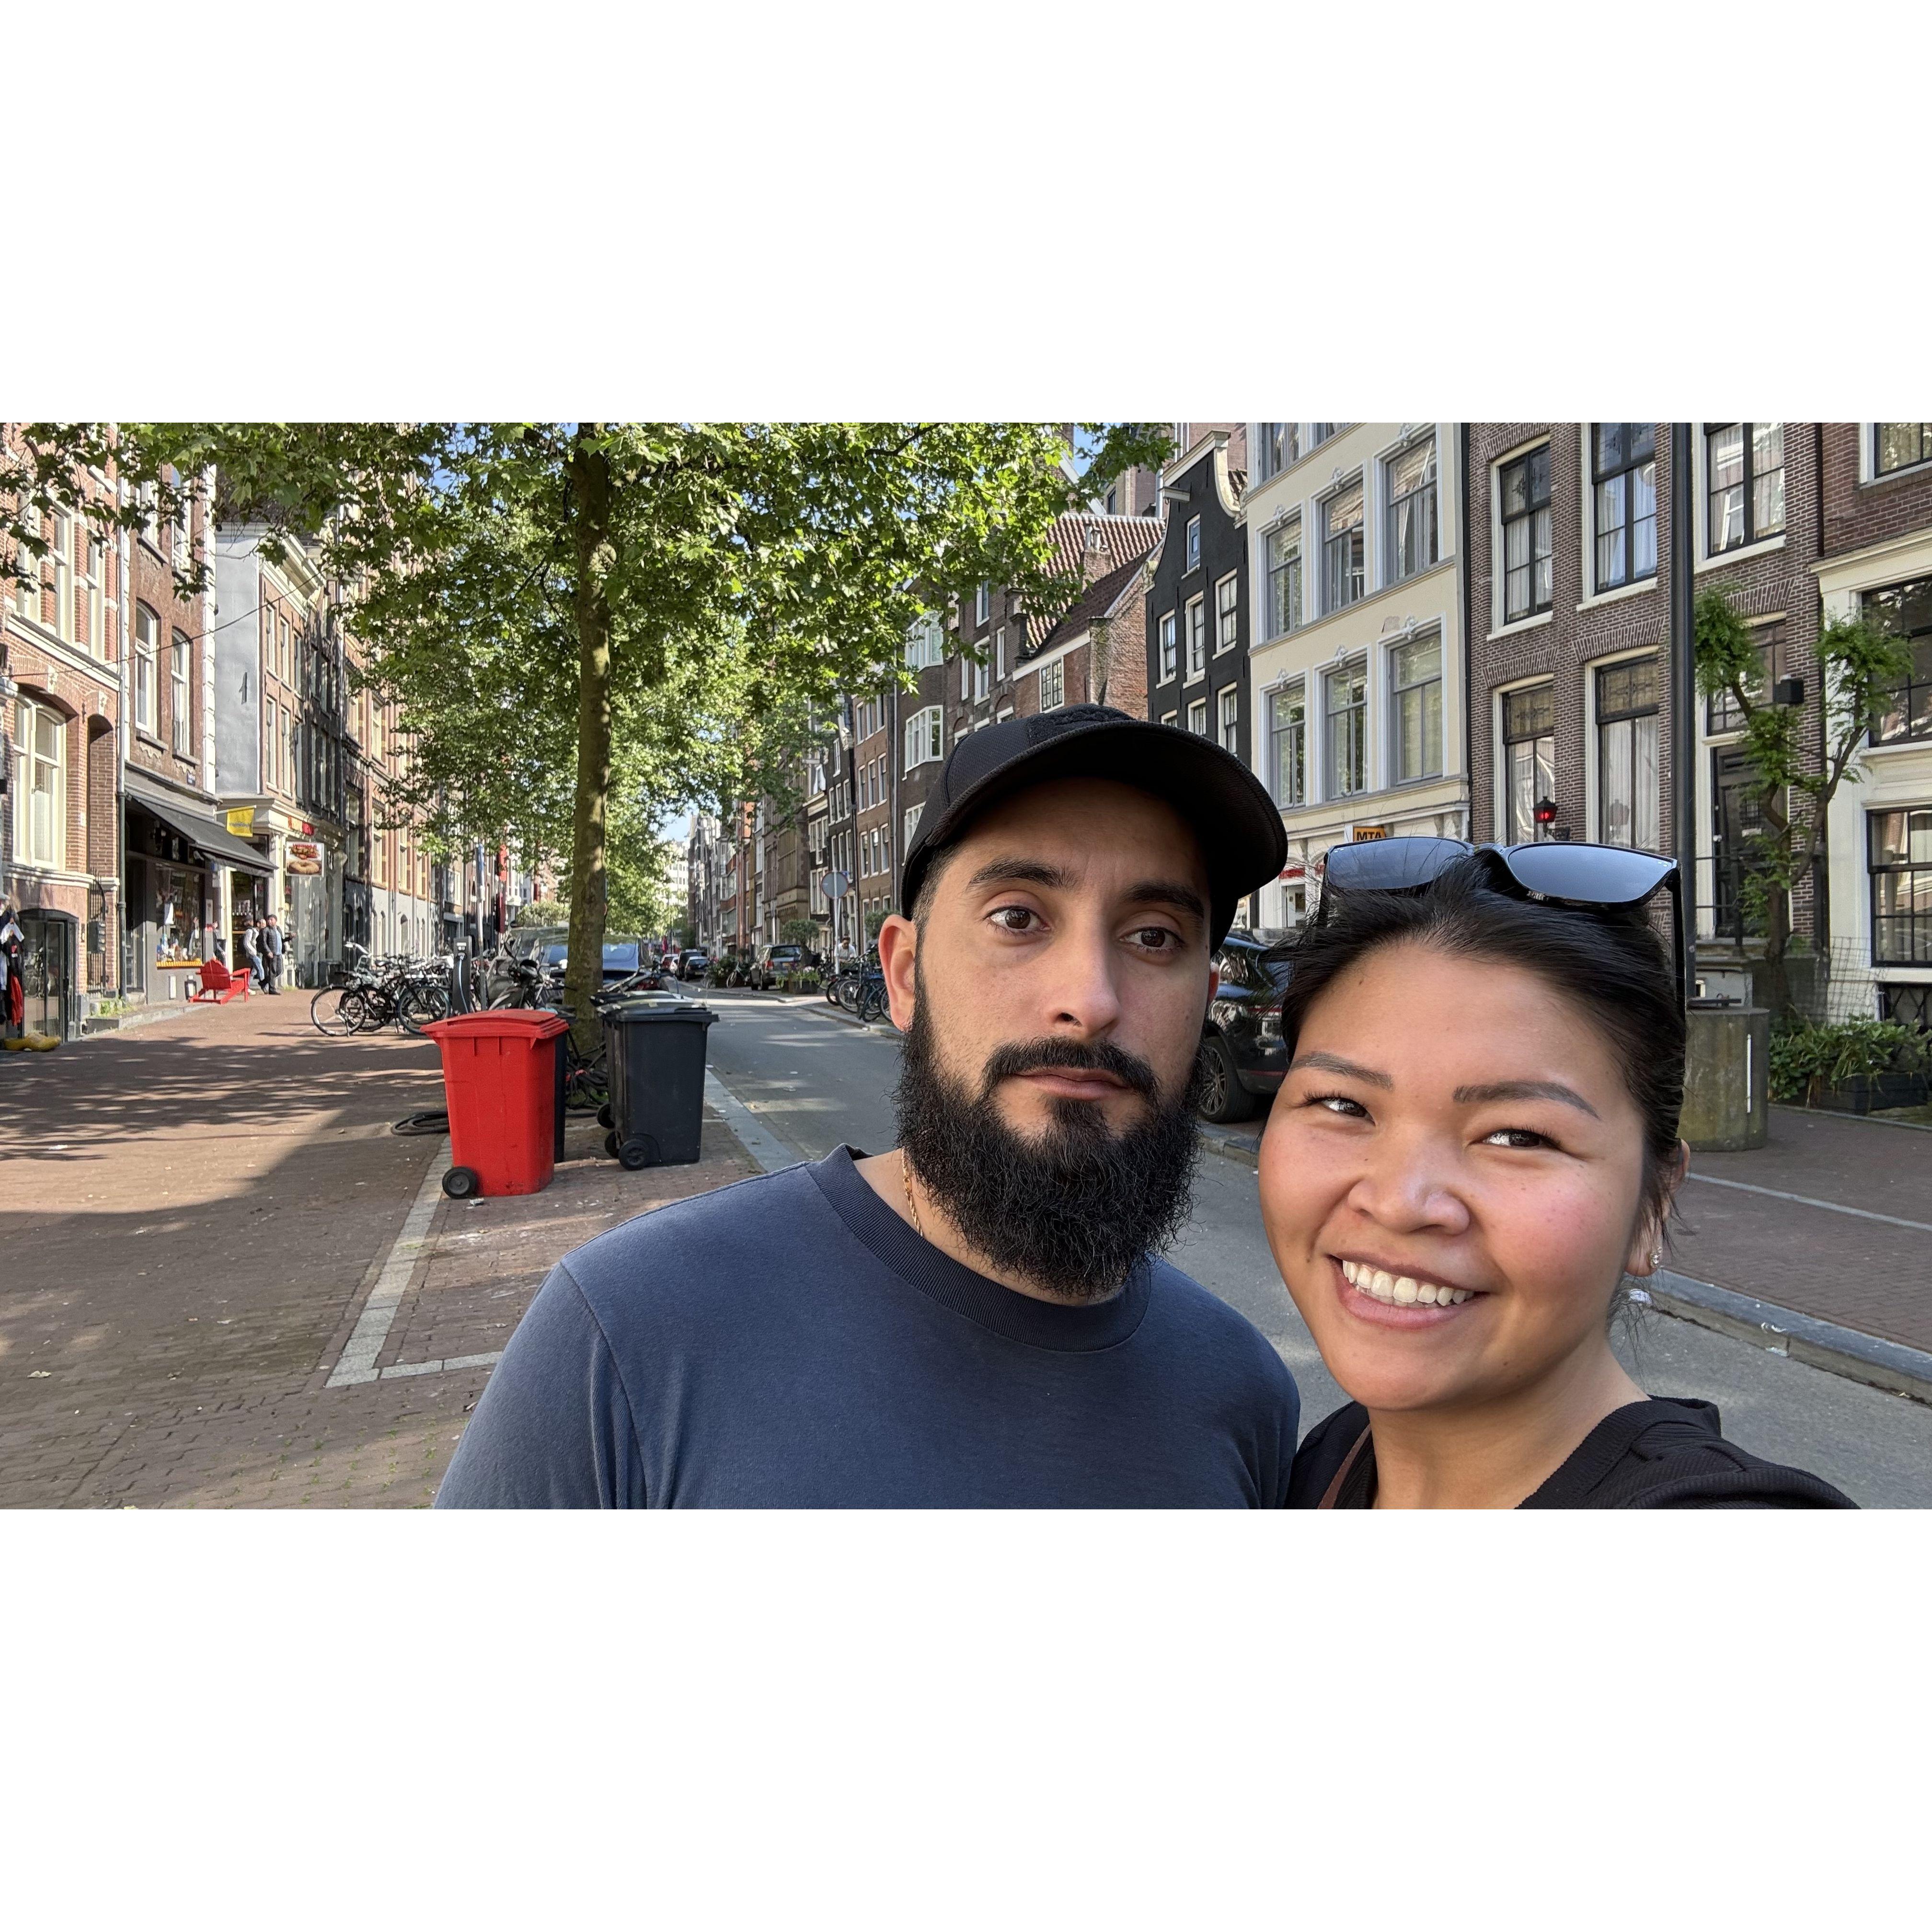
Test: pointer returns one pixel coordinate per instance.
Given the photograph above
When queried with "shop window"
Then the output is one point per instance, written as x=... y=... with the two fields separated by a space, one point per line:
x=1529 y=760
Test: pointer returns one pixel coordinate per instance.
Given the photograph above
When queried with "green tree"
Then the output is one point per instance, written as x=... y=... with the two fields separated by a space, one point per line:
x=574 y=615
x=1858 y=667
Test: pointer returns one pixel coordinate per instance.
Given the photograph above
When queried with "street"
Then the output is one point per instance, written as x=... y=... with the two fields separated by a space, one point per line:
x=813 y=1080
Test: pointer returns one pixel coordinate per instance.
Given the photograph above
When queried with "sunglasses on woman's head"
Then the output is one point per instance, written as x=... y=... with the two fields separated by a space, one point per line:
x=1571 y=874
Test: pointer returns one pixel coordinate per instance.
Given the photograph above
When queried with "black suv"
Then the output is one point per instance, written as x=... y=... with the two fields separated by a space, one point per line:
x=1243 y=1055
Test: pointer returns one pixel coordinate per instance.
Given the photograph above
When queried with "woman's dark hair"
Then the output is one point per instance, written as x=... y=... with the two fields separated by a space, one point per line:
x=1608 y=963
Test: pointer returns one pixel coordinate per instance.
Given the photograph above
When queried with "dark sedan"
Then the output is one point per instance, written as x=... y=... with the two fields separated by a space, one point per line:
x=1243 y=1056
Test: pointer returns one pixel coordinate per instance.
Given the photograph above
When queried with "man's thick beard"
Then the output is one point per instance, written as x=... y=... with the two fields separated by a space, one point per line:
x=1074 y=1210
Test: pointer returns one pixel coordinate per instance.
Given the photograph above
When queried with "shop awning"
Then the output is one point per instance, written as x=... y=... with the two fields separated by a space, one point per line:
x=215 y=842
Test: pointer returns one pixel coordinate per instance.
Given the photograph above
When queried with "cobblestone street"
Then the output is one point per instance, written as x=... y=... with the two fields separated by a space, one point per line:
x=171 y=1341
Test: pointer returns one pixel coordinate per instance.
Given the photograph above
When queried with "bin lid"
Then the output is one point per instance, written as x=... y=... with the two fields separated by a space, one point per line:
x=628 y=1012
x=524 y=1023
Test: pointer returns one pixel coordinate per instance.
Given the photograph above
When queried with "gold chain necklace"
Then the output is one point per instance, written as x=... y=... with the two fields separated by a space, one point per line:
x=905 y=1174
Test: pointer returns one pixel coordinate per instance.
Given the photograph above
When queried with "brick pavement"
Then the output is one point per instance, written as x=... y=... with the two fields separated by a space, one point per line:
x=1864 y=1275
x=190 y=1218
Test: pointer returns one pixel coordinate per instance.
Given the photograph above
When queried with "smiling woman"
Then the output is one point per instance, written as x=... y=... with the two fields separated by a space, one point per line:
x=1476 y=1143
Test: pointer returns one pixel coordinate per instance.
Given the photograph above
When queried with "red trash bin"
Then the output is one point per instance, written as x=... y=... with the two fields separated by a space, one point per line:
x=499 y=1073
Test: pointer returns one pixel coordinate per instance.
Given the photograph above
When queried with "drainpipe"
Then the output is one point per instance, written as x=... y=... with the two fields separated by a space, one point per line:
x=1464 y=590
x=1683 y=702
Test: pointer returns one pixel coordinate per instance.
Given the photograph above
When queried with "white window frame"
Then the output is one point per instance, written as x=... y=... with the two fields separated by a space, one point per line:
x=181 y=695
x=1197 y=639
x=1358 y=485
x=1631 y=586
x=1499 y=800
x=1271 y=540
x=1500 y=621
x=1227 y=612
x=999 y=655
x=1357 y=665
x=1230 y=722
x=1295 y=691
x=1170 y=717
x=925 y=736
x=1425 y=634
x=912 y=812
x=1191 y=547
x=1593 y=727
x=982 y=680
x=1053 y=685
x=1197 y=718
x=27 y=762
x=147 y=670
x=1169 y=632
x=1391 y=572
x=982 y=604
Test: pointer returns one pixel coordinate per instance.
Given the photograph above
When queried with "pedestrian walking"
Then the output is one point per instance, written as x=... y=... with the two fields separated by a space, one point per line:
x=976 y=1318
x=251 y=951
x=270 y=941
x=1476 y=1143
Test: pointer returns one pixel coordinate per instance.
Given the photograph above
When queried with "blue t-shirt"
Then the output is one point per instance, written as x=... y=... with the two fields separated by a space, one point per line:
x=790 y=1342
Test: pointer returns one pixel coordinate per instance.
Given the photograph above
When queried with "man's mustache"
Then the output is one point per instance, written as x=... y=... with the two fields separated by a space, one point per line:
x=1099 y=1056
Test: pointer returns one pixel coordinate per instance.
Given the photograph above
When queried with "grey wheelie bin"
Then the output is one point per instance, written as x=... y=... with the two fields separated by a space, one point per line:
x=654 y=1053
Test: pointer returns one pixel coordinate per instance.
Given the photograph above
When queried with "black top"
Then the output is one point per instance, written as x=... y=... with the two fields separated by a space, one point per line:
x=1661 y=1454
x=791 y=1342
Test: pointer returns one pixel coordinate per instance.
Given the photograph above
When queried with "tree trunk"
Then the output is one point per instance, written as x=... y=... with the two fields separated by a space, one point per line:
x=589 y=478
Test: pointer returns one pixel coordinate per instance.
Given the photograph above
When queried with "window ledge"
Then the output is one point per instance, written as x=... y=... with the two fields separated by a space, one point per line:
x=1742 y=552
x=1652 y=582
x=1921 y=745
x=1921 y=470
x=1194 y=677
x=1520 y=625
x=147 y=738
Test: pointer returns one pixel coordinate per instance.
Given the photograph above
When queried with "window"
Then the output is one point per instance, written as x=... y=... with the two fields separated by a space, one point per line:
x=1529 y=760
x=1722 y=712
x=181 y=703
x=965 y=680
x=1745 y=481
x=1167 y=664
x=1906 y=610
x=40 y=784
x=1053 y=685
x=183 y=543
x=982 y=604
x=1197 y=718
x=1411 y=510
x=1113 y=501
x=1287 y=744
x=63 y=575
x=1170 y=717
x=1227 y=628
x=927 y=645
x=1623 y=474
x=1342 y=554
x=1276 y=445
x=1193 y=544
x=1415 y=694
x=978 y=679
x=1900 y=446
x=147 y=662
x=925 y=736
x=1524 y=487
x=1346 y=697
x=1283 y=555
x=1231 y=721
x=1628 y=804
x=999 y=655
x=1901 y=886
x=1197 y=637
x=911 y=826
x=1319 y=433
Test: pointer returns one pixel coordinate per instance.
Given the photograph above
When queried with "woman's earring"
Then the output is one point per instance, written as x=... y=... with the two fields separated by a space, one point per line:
x=1657 y=1258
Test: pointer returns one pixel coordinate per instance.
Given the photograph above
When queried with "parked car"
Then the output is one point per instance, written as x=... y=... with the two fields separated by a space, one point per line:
x=1243 y=1056
x=693 y=963
x=524 y=942
x=622 y=957
x=772 y=964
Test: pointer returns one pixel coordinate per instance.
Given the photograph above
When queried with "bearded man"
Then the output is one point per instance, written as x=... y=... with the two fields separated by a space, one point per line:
x=978 y=1318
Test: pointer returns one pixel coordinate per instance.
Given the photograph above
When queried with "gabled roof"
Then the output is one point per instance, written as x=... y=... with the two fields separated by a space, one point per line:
x=1101 y=599
x=1121 y=544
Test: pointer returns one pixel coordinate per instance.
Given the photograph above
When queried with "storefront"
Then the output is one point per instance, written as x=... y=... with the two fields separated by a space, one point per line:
x=46 y=963
x=184 y=871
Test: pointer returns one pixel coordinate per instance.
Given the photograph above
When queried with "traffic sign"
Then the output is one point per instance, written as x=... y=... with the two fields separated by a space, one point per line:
x=834 y=886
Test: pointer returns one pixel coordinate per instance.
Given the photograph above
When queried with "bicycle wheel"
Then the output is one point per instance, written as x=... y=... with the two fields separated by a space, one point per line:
x=419 y=1003
x=872 y=1003
x=333 y=1010
x=848 y=994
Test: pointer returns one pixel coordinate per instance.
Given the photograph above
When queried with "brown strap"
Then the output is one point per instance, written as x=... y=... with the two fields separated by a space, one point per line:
x=1349 y=1462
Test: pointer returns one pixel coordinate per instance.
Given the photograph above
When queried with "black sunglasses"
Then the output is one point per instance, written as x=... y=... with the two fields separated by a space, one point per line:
x=1569 y=873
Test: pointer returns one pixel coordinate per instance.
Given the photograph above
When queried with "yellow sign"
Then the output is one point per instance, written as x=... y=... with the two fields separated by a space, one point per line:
x=241 y=820
x=1362 y=832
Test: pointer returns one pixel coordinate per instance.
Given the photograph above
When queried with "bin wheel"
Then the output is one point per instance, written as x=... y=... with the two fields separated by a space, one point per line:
x=610 y=1145
x=460 y=1183
x=605 y=1118
x=634 y=1154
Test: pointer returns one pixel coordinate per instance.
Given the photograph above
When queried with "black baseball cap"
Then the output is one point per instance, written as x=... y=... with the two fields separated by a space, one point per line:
x=1242 y=841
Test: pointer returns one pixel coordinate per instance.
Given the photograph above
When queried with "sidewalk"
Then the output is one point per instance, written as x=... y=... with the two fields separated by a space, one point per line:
x=194 y=1218
x=1741 y=1230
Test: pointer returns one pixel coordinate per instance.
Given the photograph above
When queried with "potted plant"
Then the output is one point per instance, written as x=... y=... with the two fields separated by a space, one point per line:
x=1850 y=1066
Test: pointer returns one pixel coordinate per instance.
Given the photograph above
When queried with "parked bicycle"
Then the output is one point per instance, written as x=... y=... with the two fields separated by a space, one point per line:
x=365 y=995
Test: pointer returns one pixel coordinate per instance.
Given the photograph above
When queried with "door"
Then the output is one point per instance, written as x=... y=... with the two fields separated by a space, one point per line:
x=47 y=972
x=1737 y=913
